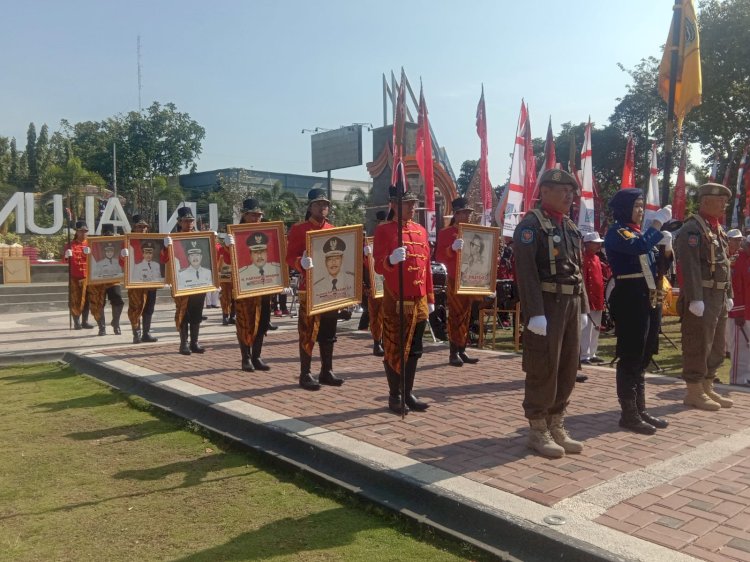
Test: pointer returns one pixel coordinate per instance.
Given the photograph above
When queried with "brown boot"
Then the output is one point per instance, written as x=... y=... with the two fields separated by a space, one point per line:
x=708 y=388
x=560 y=435
x=696 y=397
x=541 y=440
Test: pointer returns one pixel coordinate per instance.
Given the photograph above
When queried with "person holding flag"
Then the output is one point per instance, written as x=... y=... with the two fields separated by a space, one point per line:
x=547 y=251
x=459 y=306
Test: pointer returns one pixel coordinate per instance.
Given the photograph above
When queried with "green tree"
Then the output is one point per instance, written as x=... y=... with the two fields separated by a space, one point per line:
x=352 y=209
x=31 y=162
x=69 y=180
x=464 y=177
x=42 y=150
x=278 y=205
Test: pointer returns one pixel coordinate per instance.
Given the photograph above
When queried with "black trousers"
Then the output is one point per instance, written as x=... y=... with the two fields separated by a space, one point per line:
x=148 y=309
x=637 y=329
x=327 y=329
x=194 y=310
x=114 y=295
x=265 y=314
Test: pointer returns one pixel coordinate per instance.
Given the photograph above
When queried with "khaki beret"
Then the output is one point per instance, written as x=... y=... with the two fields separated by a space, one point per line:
x=714 y=189
x=558 y=177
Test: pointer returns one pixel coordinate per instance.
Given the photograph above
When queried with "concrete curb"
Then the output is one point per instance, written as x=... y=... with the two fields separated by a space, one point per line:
x=505 y=536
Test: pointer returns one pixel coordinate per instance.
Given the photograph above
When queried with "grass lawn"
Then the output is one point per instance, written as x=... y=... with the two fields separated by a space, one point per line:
x=87 y=473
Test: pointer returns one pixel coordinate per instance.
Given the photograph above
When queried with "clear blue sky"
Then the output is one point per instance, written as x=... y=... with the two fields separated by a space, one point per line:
x=255 y=73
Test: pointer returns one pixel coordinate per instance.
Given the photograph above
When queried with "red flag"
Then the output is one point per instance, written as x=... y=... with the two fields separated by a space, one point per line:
x=746 y=181
x=530 y=181
x=678 y=199
x=399 y=120
x=425 y=163
x=628 y=168
x=484 y=175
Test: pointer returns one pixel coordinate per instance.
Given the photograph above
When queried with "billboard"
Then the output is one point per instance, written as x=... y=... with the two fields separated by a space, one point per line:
x=340 y=148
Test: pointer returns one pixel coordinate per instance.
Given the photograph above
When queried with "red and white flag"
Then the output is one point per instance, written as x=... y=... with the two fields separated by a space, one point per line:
x=679 y=198
x=514 y=199
x=530 y=181
x=484 y=176
x=736 y=221
x=586 y=214
x=652 y=192
x=714 y=173
x=425 y=163
x=628 y=168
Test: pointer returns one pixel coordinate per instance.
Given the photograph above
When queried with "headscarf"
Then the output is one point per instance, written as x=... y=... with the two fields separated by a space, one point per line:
x=622 y=204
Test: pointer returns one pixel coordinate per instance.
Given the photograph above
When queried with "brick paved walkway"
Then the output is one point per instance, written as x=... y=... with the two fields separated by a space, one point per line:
x=686 y=488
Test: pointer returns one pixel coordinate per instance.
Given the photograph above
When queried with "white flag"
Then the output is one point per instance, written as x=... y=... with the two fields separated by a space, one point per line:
x=514 y=199
x=586 y=212
x=652 y=193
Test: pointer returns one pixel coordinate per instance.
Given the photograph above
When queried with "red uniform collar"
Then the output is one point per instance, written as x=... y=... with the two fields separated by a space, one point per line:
x=636 y=227
x=713 y=222
x=316 y=223
x=555 y=215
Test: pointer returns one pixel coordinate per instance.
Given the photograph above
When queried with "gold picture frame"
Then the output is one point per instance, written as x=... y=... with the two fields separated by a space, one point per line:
x=141 y=273
x=186 y=278
x=333 y=284
x=103 y=261
x=476 y=263
x=16 y=270
x=377 y=281
x=261 y=242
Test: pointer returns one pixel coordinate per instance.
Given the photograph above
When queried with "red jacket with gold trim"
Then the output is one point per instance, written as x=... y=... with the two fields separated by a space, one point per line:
x=417 y=267
x=296 y=243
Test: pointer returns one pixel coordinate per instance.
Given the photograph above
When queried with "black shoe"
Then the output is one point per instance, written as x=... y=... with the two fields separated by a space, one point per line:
x=260 y=365
x=148 y=338
x=308 y=382
x=455 y=361
x=595 y=360
x=586 y=362
x=102 y=331
x=328 y=378
x=184 y=349
x=86 y=326
x=631 y=419
x=377 y=349
x=658 y=423
x=272 y=327
x=136 y=336
x=582 y=378
x=232 y=321
x=195 y=348
x=394 y=405
x=225 y=321
x=204 y=318
x=415 y=404
x=247 y=366
x=466 y=359
x=117 y=330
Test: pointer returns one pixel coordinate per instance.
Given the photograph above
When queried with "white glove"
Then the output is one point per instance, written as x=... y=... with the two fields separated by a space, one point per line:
x=86 y=250
x=584 y=321
x=430 y=307
x=666 y=241
x=229 y=240
x=697 y=308
x=730 y=303
x=398 y=255
x=368 y=250
x=537 y=325
x=458 y=244
x=124 y=253
x=306 y=262
x=167 y=241
x=664 y=215
x=68 y=253
x=493 y=296
x=288 y=291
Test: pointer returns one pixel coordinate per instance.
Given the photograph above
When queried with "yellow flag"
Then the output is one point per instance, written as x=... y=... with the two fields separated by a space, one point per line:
x=688 y=87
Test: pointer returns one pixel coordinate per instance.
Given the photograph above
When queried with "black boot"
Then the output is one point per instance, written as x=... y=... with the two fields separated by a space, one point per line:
x=76 y=322
x=377 y=349
x=454 y=360
x=147 y=337
x=116 y=312
x=631 y=419
x=195 y=328
x=394 y=391
x=258 y=363
x=246 y=363
x=85 y=318
x=640 y=400
x=306 y=380
x=224 y=320
x=326 y=368
x=465 y=358
x=232 y=320
x=184 y=349
x=412 y=401
x=136 y=336
x=102 y=323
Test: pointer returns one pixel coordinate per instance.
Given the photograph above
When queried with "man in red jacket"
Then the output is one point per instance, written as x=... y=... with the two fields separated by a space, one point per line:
x=738 y=332
x=76 y=254
x=321 y=327
x=593 y=279
x=418 y=298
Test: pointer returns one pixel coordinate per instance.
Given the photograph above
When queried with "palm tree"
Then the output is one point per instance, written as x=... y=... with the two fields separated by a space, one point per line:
x=352 y=209
x=277 y=204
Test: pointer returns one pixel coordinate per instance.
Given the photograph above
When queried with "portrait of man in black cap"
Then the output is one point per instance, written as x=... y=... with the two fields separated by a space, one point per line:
x=260 y=272
x=148 y=270
x=108 y=266
x=194 y=275
x=336 y=279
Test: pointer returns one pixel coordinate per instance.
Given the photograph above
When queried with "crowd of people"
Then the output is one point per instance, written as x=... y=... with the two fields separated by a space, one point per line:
x=560 y=277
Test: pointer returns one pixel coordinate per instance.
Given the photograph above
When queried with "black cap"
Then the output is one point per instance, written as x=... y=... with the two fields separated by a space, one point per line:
x=138 y=219
x=81 y=225
x=257 y=241
x=109 y=246
x=147 y=245
x=407 y=196
x=317 y=194
x=195 y=249
x=108 y=230
x=251 y=205
x=185 y=213
x=334 y=247
x=380 y=216
x=461 y=204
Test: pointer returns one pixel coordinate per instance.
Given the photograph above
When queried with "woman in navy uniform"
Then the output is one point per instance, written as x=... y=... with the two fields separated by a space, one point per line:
x=634 y=302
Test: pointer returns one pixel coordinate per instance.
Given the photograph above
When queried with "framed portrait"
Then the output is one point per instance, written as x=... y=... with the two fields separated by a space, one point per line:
x=376 y=280
x=258 y=265
x=477 y=261
x=104 y=259
x=143 y=267
x=16 y=270
x=335 y=280
x=193 y=263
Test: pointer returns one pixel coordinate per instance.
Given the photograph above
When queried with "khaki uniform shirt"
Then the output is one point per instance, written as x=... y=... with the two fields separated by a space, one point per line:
x=703 y=259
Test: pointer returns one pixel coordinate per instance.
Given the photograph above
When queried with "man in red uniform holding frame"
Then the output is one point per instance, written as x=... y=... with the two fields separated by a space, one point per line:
x=418 y=298
x=76 y=254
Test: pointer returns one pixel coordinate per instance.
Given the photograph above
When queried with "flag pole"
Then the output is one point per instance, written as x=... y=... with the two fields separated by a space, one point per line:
x=669 y=137
x=70 y=274
x=400 y=241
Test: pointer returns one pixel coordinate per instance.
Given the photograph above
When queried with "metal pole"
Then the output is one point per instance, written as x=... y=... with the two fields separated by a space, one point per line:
x=114 y=168
x=330 y=187
x=400 y=242
x=669 y=137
